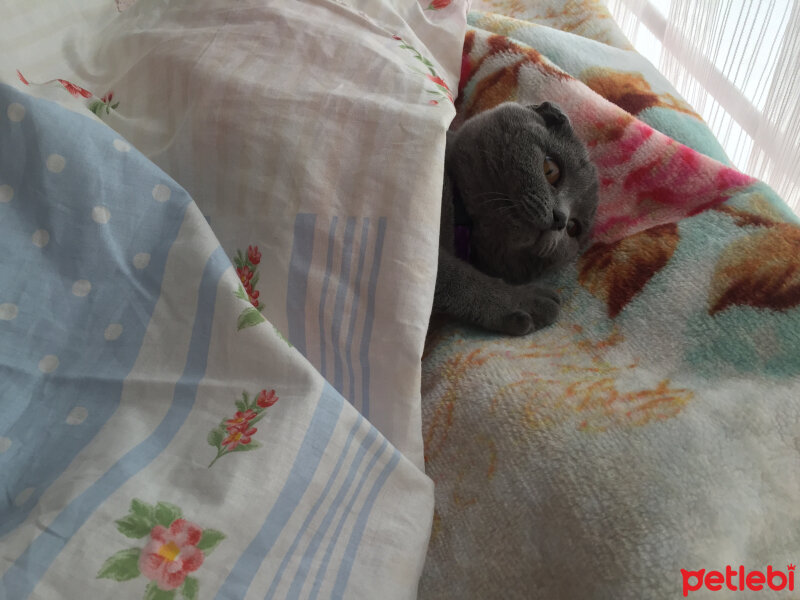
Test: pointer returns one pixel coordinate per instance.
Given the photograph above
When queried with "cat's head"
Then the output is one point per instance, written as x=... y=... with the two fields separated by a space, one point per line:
x=528 y=186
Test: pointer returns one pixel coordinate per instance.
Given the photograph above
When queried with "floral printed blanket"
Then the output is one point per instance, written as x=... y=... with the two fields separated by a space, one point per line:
x=647 y=444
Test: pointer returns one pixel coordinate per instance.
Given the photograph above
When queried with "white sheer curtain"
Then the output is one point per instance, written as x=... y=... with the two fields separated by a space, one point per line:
x=737 y=62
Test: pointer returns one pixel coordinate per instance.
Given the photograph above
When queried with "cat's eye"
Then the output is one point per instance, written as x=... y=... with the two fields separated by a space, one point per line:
x=574 y=228
x=552 y=172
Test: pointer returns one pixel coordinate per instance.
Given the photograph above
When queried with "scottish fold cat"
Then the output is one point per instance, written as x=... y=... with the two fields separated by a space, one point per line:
x=519 y=199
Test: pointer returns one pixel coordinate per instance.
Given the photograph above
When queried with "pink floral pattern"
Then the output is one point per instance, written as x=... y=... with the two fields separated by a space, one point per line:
x=246 y=264
x=441 y=89
x=236 y=434
x=171 y=554
x=175 y=548
x=97 y=106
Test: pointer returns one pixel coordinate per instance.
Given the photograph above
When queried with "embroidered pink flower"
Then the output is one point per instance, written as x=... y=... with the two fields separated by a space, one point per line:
x=438 y=4
x=238 y=435
x=22 y=78
x=75 y=90
x=253 y=255
x=240 y=418
x=171 y=554
x=266 y=399
x=442 y=84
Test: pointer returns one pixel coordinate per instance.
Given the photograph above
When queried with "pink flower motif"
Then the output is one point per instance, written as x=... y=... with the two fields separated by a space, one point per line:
x=439 y=4
x=238 y=435
x=442 y=84
x=253 y=255
x=265 y=400
x=75 y=90
x=108 y=97
x=394 y=36
x=433 y=102
x=240 y=419
x=171 y=554
x=22 y=78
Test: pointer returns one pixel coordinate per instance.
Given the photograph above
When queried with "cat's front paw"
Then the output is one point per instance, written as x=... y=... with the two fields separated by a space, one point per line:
x=534 y=307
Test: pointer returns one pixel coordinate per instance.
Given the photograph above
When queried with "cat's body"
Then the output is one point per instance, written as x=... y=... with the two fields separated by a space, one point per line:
x=519 y=198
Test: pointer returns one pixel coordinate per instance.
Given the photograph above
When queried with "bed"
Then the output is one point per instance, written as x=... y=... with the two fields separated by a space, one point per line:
x=219 y=228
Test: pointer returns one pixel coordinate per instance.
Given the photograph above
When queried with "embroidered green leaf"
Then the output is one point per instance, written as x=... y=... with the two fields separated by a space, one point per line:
x=166 y=513
x=144 y=510
x=115 y=105
x=122 y=566
x=249 y=317
x=190 y=588
x=134 y=526
x=153 y=592
x=96 y=106
x=254 y=280
x=240 y=293
x=209 y=540
x=241 y=406
x=215 y=436
x=247 y=447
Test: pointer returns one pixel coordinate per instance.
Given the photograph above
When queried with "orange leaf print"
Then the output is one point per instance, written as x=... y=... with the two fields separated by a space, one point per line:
x=630 y=91
x=615 y=272
x=761 y=270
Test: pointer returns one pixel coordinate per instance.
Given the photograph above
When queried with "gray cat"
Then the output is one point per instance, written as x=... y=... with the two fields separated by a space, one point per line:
x=519 y=199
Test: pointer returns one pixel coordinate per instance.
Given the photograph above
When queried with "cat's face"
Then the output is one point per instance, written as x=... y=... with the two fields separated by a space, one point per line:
x=527 y=184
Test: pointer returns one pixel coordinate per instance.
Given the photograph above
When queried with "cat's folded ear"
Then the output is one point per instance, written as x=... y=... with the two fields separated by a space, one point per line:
x=550 y=113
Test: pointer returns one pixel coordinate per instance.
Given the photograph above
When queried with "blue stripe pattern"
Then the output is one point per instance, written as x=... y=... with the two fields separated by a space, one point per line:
x=302 y=250
x=324 y=295
x=316 y=540
x=299 y=270
x=314 y=509
x=354 y=309
x=28 y=569
x=356 y=535
x=312 y=449
x=366 y=337
x=323 y=568
x=338 y=307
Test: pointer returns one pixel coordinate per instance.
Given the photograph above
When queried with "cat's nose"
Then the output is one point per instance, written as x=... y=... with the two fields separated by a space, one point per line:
x=559 y=220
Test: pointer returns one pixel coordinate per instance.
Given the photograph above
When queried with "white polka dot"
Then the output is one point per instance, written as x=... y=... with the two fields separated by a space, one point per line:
x=8 y=311
x=77 y=416
x=23 y=496
x=161 y=193
x=122 y=145
x=56 y=163
x=141 y=260
x=40 y=238
x=6 y=193
x=113 y=331
x=81 y=288
x=16 y=112
x=5 y=444
x=48 y=364
x=101 y=214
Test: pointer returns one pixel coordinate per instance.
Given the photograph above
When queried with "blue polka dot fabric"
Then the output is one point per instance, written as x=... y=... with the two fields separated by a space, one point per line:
x=86 y=224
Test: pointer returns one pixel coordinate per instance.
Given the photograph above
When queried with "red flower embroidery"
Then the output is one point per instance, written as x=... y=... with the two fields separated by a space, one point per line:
x=238 y=435
x=394 y=36
x=75 y=90
x=439 y=4
x=240 y=418
x=253 y=255
x=171 y=554
x=21 y=78
x=265 y=399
